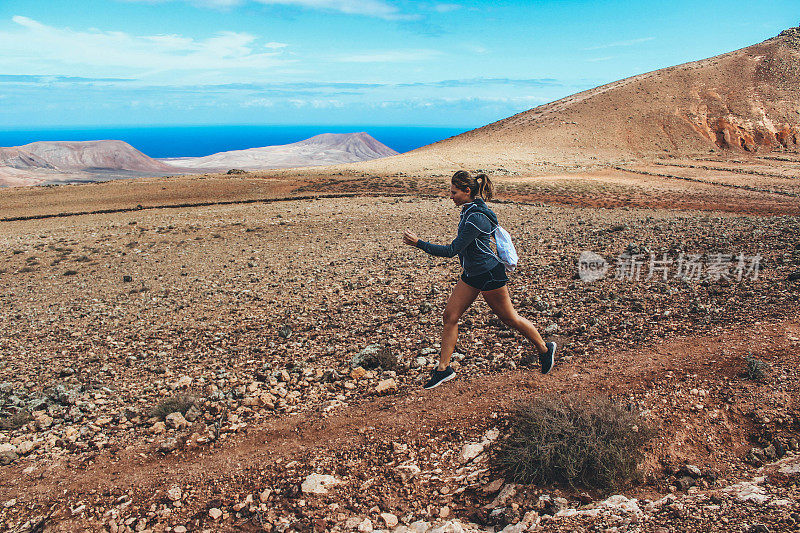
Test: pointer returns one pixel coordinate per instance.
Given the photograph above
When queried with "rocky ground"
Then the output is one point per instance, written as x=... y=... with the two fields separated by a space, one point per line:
x=196 y=368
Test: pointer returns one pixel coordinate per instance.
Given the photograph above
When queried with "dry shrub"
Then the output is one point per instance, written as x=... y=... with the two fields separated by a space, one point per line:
x=383 y=358
x=756 y=368
x=590 y=444
x=179 y=403
x=16 y=420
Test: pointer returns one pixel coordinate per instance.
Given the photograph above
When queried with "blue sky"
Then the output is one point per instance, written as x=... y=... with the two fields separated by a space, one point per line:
x=450 y=63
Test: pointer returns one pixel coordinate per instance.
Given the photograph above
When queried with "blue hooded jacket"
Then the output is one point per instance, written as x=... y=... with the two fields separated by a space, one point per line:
x=473 y=244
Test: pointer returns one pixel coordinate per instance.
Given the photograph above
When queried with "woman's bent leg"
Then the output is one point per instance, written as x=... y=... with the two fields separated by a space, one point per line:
x=462 y=297
x=500 y=302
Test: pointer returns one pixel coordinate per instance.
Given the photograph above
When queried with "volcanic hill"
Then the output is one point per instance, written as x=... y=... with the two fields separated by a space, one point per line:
x=744 y=101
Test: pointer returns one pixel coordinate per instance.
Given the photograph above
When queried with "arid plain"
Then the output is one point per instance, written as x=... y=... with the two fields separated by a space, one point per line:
x=240 y=301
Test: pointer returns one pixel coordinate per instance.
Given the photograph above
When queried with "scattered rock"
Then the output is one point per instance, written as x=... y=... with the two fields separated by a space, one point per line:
x=387 y=386
x=182 y=383
x=176 y=421
x=174 y=493
x=8 y=454
x=690 y=470
x=214 y=513
x=390 y=520
x=285 y=331
x=471 y=451
x=748 y=491
x=684 y=483
x=318 y=483
x=493 y=487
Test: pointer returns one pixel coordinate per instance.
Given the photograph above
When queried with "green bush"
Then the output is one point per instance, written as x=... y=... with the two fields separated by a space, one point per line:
x=590 y=444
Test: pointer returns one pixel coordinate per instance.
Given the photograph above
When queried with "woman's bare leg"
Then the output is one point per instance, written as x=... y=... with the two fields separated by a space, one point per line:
x=462 y=297
x=500 y=302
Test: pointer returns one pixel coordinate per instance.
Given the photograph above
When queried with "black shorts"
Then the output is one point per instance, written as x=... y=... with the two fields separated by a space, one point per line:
x=487 y=281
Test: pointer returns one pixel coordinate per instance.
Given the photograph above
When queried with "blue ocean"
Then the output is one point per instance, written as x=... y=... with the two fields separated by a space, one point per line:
x=196 y=141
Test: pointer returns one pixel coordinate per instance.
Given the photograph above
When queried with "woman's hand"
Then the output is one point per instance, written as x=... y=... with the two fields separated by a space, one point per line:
x=410 y=238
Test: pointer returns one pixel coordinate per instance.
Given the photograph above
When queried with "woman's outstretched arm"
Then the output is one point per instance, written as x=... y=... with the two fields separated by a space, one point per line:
x=467 y=233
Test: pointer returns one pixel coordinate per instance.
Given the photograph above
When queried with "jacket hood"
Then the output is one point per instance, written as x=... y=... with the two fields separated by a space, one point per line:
x=478 y=205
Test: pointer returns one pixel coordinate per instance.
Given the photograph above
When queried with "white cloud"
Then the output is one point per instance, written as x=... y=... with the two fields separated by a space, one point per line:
x=446 y=8
x=390 y=56
x=372 y=8
x=630 y=42
x=36 y=48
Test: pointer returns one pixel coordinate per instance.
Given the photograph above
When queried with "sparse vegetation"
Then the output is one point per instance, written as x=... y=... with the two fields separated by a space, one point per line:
x=179 y=403
x=756 y=369
x=592 y=444
x=15 y=421
x=383 y=358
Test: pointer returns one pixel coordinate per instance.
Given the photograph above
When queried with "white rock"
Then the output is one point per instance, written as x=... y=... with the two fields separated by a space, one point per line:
x=26 y=447
x=420 y=526
x=214 y=513
x=408 y=471
x=386 y=386
x=179 y=529
x=531 y=519
x=506 y=492
x=174 y=493
x=318 y=484
x=790 y=466
x=453 y=526
x=471 y=451
x=748 y=491
x=566 y=513
x=352 y=522
x=389 y=519
x=182 y=383
x=365 y=526
x=666 y=500
x=176 y=421
x=618 y=502
x=491 y=435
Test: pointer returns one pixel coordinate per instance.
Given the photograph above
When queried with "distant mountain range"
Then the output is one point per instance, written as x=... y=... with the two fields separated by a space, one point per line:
x=46 y=162
x=325 y=149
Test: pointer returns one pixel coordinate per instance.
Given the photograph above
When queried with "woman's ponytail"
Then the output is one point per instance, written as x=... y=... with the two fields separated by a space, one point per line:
x=479 y=185
x=485 y=186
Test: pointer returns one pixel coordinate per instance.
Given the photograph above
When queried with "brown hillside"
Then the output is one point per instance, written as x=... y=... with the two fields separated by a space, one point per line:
x=742 y=101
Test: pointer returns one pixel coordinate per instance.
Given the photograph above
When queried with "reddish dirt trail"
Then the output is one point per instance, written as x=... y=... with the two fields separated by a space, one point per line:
x=460 y=406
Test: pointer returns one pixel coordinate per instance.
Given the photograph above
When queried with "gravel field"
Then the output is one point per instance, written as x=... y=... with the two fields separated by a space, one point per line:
x=246 y=318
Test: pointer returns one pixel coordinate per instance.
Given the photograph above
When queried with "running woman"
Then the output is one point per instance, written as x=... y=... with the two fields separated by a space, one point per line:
x=483 y=273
